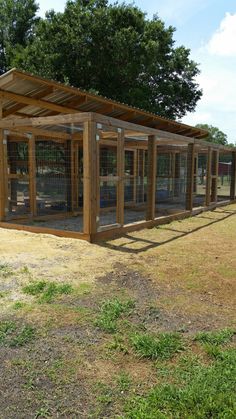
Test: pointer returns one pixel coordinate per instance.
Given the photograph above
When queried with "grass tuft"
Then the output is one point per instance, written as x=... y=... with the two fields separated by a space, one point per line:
x=163 y=345
x=47 y=291
x=220 y=337
x=206 y=391
x=12 y=336
x=110 y=312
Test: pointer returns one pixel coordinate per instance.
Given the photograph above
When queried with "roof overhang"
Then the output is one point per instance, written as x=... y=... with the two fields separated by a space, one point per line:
x=24 y=95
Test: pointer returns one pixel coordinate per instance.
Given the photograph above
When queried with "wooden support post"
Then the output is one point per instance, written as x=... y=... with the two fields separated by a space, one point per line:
x=233 y=177
x=151 y=186
x=208 y=177
x=121 y=175
x=2 y=172
x=90 y=178
x=2 y=177
x=32 y=175
x=214 y=174
x=190 y=177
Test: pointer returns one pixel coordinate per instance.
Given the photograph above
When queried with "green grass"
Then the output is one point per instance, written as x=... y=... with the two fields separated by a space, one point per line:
x=163 y=345
x=111 y=311
x=13 y=336
x=220 y=337
x=47 y=291
x=18 y=305
x=201 y=391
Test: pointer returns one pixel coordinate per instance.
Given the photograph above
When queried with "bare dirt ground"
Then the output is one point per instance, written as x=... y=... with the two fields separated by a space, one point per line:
x=181 y=276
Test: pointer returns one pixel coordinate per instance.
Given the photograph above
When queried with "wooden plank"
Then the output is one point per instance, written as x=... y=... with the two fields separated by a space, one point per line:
x=190 y=177
x=208 y=177
x=121 y=175
x=233 y=177
x=45 y=230
x=151 y=186
x=32 y=175
x=90 y=178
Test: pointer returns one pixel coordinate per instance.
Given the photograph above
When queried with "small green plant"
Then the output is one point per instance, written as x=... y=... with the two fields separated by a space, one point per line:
x=119 y=345
x=43 y=412
x=110 y=311
x=220 y=337
x=18 y=305
x=123 y=381
x=163 y=345
x=47 y=291
x=35 y=288
x=11 y=335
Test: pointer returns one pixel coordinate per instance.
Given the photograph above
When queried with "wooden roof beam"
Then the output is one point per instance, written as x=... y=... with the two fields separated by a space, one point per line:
x=38 y=103
x=15 y=109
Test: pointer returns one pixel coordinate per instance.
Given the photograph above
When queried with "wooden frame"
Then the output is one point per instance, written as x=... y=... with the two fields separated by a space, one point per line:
x=102 y=130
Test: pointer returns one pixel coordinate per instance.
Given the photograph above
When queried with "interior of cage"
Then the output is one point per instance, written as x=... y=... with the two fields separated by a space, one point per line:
x=45 y=176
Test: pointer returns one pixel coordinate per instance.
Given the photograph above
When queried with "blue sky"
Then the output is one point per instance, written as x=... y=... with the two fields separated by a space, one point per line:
x=208 y=28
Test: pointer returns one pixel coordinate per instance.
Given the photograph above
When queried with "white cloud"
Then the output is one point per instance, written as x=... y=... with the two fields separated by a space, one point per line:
x=223 y=41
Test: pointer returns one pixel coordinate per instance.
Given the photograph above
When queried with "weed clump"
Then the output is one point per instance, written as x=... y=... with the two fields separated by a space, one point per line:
x=163 y=345
x=47 y=291
x=111 y=311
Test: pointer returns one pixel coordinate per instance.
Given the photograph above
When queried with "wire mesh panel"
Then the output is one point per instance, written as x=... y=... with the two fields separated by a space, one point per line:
x=135 y=188
x=108 y=184
x=200 y=167
x=18 y=179
x=224 y=176
x=170 y=182
x=53 y=184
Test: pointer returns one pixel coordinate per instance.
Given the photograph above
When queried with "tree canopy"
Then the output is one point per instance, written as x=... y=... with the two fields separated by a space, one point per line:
x=215 y=135
x=17 y=20
x=113 y=50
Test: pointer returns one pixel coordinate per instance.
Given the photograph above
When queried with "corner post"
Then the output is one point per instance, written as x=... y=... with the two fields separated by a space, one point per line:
x=233 y=177
x=90 y=178
x=151 y=187
x=190 y=177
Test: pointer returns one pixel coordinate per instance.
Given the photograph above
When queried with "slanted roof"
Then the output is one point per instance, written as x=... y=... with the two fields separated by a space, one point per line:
x=26 y=95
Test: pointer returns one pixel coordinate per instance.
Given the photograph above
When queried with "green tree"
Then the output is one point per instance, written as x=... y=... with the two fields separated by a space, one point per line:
x=214 y=134
x=117 y=52
x=17 y=19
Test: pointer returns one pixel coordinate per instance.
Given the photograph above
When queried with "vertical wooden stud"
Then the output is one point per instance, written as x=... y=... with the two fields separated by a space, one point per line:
x=233 y=177
x=2 y=176
x=214 y=174
x=121 y=175
x=151 y=187
x=90 y=178
x=32 y=174
x=208 y=177
x=190 y=177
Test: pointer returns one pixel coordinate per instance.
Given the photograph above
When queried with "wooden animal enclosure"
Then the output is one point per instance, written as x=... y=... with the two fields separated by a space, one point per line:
x=90 y=168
